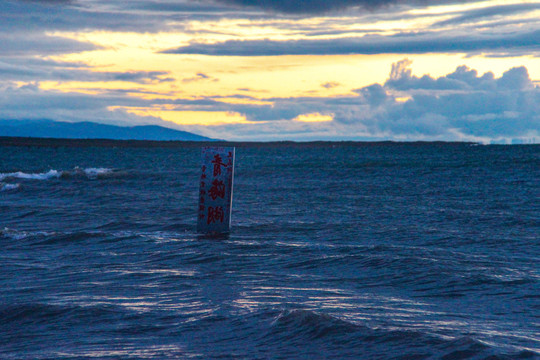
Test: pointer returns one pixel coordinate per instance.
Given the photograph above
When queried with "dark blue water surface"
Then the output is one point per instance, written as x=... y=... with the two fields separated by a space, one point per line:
x=374 y=251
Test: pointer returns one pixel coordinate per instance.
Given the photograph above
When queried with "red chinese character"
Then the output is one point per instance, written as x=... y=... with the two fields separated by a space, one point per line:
x=217 y=165
x=215 y=214
x=217 y=189
x=202 y=184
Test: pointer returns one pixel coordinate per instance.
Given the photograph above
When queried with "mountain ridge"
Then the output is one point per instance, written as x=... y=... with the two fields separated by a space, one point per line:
x=45 y=128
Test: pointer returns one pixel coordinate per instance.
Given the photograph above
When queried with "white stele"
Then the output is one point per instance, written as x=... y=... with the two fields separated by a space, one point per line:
x=215 y=190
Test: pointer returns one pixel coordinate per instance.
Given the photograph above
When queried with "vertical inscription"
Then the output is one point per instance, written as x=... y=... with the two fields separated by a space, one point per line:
x=215 y=190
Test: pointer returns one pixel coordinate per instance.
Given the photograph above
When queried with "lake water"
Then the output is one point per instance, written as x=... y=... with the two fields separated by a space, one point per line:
x=337 y=251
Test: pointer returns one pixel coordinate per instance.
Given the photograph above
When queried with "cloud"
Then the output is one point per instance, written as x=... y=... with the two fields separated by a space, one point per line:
x=462 y=79
x=330 y=85
x=460 y=106
x=487 y=13
x=199 y=77
x=476 y=107
x=176 y=6
x=31 y=102
x=21 y=68
x=48 y=2
x=26 y=23
x=516 y=79
x=220 y=7
x=40 y=44
x=38 y=17
x=405 y=43
x=142 y=77
x=321 y=6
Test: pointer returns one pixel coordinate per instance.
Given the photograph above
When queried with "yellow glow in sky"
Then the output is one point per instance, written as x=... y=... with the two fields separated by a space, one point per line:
x=189 y=117
x=256 y=80
x=314 y=117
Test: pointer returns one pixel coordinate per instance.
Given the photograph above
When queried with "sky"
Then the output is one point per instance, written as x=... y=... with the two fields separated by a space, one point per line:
x=262 y=70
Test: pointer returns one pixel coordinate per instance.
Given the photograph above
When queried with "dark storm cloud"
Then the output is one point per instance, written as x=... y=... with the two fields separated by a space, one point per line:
x=20 y=68
x=192 y=7
x=40 y=44
x=224 y=6
x=31 y=17
x=321 y=6
x=48 y=2
x=398 y=44
x=488 y=12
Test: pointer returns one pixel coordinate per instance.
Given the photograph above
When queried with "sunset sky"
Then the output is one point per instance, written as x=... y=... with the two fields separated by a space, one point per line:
x=278 y=70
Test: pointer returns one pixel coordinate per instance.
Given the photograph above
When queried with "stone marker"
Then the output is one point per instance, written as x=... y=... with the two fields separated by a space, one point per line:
x=215 y=192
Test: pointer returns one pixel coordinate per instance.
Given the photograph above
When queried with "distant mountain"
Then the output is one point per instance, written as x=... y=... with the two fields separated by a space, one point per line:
x=90 y=130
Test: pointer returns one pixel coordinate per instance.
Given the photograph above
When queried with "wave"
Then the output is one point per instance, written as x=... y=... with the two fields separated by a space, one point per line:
x=13 y=234
x=23 y=235
x=307 y=330
x=312 y=325
x=89 y=173
x=7 y=187
x=31 y=176
x=42 y=313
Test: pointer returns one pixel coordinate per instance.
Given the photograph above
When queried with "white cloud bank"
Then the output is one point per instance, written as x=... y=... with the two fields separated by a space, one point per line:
x=461 y=106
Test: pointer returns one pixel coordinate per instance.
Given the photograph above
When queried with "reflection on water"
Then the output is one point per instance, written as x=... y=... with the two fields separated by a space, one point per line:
x=391 y=251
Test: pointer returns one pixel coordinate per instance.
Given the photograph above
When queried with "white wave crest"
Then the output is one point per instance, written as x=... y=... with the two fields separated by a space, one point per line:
x=90 y=173
x=96 y=172
x=13 y=234
x=34 y=176
x=7 y=187
x=21 y=235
